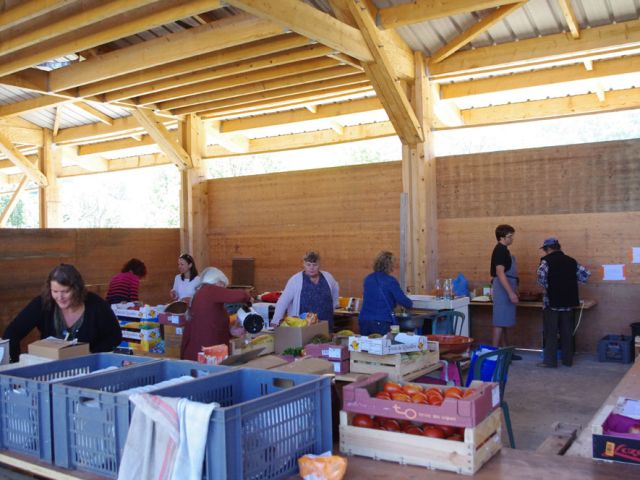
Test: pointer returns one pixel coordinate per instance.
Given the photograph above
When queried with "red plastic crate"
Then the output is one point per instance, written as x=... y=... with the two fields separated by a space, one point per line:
x=359 y=397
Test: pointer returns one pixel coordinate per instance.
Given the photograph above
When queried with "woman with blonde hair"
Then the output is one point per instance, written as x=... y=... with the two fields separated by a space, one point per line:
x=209 y=324
x=381 y=294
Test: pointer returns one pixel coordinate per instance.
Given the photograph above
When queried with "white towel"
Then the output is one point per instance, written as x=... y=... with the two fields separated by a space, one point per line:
x=166 y=439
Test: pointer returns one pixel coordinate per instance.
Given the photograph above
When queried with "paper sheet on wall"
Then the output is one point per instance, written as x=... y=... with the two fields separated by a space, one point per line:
x=613 y=272
x=635 y=255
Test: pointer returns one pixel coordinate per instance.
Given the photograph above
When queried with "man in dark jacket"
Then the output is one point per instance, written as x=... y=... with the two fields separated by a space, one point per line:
x=559 y=275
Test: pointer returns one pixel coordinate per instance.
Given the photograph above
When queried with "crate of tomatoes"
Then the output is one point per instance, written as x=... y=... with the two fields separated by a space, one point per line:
x=443 y=447
x=451 y=406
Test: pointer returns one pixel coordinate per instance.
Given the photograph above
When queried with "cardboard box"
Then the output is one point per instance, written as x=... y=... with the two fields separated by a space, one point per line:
x=318 y=366
x=384 y=346
x=130 y=310
x=286 y=337
x=265 y=343
x=57 y=349
x=265 y=363
x=330 y=351
x=172 y=340
x=612 y=440
x=177 y=319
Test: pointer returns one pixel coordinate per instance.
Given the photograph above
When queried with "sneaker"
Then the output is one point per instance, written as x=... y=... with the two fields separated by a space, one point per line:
x=516 y=357
x=545 y=365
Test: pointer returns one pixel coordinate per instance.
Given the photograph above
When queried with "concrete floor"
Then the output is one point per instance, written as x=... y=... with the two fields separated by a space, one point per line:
x=538 y=397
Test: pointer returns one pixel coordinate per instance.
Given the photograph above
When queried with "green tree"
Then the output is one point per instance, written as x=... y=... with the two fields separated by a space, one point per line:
x=17 y=217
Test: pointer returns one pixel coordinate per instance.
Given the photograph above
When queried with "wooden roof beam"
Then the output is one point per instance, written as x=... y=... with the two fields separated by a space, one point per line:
x=252 y=65
x=235 y=143
x=141 y=82
x=228 y=32
x=419 y=11
x=114 y=28
x=20 y=161
x=13 y=201
x=339 y=93
x=94 y=112
x=274 y=96
x=30 y=79
x=36 y=103
x=594 y=43
x=570 y=17
x=325 y=111
x=541 y=78
x=26 y=10
x=264 y=75
x=272 y=85
x=19 y=38
x=382 y=77
x=483 y=25
x=310 y=22
x=168 y=144
x=308 y=139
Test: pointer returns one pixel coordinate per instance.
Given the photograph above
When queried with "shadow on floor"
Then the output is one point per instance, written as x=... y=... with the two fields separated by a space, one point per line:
x=538 y=397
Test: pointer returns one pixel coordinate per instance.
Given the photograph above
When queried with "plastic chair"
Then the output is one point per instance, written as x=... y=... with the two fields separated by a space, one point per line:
x=502 y=357
x=448 y=322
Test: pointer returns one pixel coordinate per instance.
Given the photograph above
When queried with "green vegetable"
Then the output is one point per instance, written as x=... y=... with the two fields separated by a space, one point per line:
x=294 y=351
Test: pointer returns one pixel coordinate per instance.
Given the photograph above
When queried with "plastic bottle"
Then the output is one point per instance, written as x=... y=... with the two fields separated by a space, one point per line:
x=447 y=289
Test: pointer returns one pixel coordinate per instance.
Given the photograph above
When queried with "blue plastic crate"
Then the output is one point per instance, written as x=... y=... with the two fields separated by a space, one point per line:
x=25 y=400
x=267 y=420
x=91 y=418
x=615 y=348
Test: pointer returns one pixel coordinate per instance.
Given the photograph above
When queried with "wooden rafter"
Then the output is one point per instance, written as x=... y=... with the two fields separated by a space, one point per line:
x=275 y=84
x=29 y=79
x=13 y=201
x=94 y=112
x=165 y=141
x=310 y=22
x=141 y=82
x=327 y=111
x=272 y=97
x=541 y=78
x=231 y=71
x=26 y=10
x=419 y=11
x=235 y=143
x=203 y=39
x=383 y=79
x=465 y=37
x=20 y=161
x=570 y=17
x=594 y=43
x=265 y=75
x=114 y=28
x=56 y=121
x=36 y=103
x=11 y=41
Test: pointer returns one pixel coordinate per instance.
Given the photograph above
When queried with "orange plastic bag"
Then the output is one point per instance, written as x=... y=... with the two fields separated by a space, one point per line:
x=322 y=467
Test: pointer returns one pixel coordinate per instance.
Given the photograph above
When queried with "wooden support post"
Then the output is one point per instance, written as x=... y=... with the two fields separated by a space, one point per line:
x=50 y=215
x=193 y=200
x=419 y=182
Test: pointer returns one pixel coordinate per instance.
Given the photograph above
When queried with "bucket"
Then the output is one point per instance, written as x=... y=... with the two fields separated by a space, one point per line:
x=635 y=329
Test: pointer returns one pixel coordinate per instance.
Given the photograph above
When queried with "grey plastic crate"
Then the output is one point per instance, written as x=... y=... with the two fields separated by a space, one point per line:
x=267 y=420
x=25 y=399
x=91 y=417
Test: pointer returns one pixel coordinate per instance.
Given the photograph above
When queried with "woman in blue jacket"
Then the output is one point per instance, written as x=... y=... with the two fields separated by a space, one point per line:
x=381 y=294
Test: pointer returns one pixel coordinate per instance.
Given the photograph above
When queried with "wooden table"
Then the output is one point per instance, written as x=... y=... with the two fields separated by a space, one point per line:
x=588 y=303
x=628 y=387
x=507 y=465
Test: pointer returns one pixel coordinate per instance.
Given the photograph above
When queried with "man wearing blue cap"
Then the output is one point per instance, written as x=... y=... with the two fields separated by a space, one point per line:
x=559 y=275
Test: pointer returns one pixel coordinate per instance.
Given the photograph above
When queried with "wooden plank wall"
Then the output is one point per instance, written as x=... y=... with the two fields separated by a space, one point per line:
x=587 y=195
x=28 y=255
x=347 y=214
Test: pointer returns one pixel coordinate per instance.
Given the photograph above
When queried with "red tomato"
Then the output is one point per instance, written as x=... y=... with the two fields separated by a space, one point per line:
x=419 y=398
x=412 y=388
x=434 y=432
x=392 y=387
x=400 y=397
x=453 y=392
x=433 y=391
x=457 y=437
x=468 y=392
x=413 y=430
x=383 y=395
x=364 y=421
x=449 y=430
x=435 y=400
x=390 y=425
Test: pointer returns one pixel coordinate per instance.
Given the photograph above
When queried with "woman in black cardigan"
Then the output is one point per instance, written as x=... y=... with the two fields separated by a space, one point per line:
x=66 y=310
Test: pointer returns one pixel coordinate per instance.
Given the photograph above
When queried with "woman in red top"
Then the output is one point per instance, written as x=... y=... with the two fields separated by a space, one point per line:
x=209 y=324
x=124 y=286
